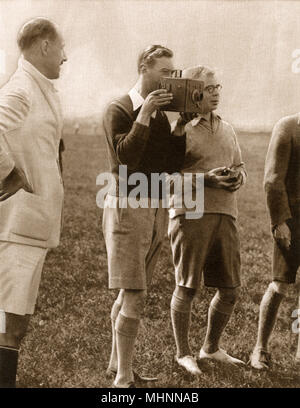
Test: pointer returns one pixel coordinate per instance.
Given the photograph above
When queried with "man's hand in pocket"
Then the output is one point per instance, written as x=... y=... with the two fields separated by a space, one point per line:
x=12 y=183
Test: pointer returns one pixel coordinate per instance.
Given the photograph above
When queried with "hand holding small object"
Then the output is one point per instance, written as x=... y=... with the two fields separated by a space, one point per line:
x=236 y=177
x=216 y=178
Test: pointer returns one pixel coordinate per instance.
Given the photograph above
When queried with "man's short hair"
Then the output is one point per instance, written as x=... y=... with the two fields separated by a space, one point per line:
x=199 y=72
x=34 y=29
x=149 y=55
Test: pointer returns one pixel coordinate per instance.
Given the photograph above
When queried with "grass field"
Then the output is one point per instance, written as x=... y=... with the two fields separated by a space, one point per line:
x=68 y=343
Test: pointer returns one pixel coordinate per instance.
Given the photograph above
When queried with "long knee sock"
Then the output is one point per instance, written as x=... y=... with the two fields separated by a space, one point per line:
x=180 y=316
x=113 y=362
x=126 y=333
x=219 y=313
x=8 y=366
x=267 y=316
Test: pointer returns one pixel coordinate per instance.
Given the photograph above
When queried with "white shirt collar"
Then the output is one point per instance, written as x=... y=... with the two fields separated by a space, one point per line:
x=27 y=66
x=137 y=100
x=197 y=120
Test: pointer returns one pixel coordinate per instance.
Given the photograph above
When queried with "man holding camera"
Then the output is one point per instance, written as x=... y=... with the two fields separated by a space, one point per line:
x=210 y=243
x=138 y=135
x=282 y=187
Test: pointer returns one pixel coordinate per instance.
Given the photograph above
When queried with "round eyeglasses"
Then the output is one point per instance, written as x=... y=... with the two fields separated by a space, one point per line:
x=210 y=88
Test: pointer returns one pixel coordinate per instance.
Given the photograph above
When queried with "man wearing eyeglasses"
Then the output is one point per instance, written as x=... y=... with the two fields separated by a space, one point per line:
x=139 y=136
x=210 y=244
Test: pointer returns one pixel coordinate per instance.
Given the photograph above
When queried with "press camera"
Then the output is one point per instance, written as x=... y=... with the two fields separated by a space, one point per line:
x=187 y=93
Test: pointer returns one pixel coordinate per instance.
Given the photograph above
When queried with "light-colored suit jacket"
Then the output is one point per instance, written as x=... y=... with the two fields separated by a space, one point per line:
x=30 y=133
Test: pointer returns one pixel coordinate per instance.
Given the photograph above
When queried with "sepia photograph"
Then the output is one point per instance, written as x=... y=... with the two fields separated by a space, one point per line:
x=149 y=197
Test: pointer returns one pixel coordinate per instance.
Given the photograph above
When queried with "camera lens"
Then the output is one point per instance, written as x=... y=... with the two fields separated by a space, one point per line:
x=196 y=96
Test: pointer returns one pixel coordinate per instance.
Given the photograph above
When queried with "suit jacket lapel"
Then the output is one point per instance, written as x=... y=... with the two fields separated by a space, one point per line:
x=53 y=101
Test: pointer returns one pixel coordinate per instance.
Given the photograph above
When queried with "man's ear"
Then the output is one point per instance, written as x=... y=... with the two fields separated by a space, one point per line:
x=44 y=46
x=143 y=69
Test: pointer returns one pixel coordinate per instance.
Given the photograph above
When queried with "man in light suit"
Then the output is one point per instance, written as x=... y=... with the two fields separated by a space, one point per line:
x=31 y=187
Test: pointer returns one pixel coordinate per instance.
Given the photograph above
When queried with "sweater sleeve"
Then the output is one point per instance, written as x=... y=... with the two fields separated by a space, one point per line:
x=276 y=167
x=238 y=161
x=14 y=108
x=176 y=152
x=128 y=138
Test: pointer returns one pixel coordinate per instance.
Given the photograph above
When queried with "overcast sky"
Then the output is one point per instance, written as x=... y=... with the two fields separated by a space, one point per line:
x=250 y=42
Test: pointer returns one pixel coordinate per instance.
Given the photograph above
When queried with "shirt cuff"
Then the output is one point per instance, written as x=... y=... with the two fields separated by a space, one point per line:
x=244 y=176
x=139 y=129
x=147 y=123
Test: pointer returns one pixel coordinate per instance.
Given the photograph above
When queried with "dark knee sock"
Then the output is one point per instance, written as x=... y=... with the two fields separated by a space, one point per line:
x=8 y=366
x=180 y=316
